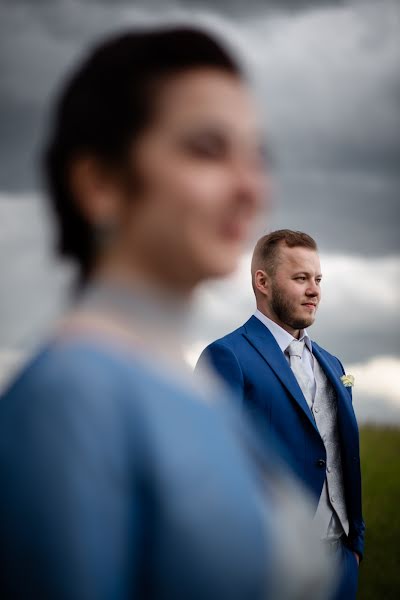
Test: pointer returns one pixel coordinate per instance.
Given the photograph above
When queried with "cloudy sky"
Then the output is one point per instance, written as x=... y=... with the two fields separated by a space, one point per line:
x=327 y=79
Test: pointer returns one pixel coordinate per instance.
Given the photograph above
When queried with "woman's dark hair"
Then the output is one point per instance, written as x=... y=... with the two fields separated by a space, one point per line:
x=106 y=104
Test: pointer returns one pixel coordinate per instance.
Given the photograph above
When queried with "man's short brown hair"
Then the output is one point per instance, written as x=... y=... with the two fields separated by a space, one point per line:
x=266 y=250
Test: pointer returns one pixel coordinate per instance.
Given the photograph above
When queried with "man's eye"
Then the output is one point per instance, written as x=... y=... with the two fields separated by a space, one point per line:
x=301 y=278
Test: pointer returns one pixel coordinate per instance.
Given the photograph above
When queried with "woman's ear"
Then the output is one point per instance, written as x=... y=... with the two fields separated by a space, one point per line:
x=94 y=191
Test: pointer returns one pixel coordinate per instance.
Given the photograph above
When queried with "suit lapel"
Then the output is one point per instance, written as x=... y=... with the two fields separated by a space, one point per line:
x=264 y=342
x=345 y=408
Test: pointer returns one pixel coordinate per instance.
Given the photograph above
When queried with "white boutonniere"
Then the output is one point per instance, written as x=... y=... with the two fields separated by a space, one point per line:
x=347 y=380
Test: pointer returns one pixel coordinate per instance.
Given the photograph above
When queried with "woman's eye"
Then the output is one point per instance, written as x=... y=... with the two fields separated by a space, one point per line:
x=206 y=147
x=263 y=155
x=206 y=150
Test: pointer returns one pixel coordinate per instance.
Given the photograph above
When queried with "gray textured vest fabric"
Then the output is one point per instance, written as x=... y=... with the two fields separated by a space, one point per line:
x=331 y=513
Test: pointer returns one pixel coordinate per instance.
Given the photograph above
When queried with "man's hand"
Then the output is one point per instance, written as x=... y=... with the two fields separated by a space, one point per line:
x=357 y=558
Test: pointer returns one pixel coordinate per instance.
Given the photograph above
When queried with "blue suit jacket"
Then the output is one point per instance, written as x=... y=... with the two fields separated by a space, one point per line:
x=251 y=362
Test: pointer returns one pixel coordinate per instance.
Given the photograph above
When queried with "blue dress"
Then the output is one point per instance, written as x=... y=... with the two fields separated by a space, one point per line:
x=119 y=480
x=116 y=482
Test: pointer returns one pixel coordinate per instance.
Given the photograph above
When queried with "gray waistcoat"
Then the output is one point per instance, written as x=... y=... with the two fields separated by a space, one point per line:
x=331 y=515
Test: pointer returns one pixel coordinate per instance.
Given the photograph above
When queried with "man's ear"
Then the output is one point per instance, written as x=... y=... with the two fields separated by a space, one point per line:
x=262 y=282
x=94 y=191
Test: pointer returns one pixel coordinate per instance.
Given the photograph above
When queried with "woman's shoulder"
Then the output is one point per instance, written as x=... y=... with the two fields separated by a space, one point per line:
x=76 y=393
x=65 y=363
x=73 y=376
x=83 y=389
x=83 y=372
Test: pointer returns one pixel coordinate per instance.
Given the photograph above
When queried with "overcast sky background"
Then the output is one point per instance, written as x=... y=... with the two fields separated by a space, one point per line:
x=327 y=77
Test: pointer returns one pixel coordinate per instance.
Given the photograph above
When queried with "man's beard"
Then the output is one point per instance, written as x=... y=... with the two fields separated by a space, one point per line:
x=283 y=309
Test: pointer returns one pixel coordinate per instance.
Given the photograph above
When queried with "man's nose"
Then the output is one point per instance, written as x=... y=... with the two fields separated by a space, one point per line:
x=313 y=289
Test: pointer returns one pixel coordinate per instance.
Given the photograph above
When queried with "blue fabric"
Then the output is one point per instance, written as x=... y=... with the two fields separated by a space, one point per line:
x=118 y=482
x=348 y=584
x=252 y=364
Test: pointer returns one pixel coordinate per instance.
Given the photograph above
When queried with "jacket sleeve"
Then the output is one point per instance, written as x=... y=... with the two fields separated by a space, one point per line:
x=225 y=364
x=357 y=528
x=356 y=539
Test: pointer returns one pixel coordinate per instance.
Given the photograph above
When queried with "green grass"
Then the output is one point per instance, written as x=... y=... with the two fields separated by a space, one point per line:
x=380 y=460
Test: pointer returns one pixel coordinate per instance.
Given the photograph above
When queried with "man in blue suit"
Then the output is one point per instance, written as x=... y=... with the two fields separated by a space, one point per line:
x=296 y=391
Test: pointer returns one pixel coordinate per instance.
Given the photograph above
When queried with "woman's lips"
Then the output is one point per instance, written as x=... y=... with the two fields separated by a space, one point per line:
x=235 y=231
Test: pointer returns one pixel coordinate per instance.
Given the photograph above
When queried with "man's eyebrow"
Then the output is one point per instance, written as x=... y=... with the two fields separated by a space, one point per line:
x=305 y=273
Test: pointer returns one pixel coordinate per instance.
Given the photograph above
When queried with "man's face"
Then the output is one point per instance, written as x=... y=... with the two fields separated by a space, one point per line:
x=295 y=288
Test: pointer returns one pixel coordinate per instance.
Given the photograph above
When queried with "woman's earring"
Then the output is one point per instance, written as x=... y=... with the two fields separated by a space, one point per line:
x=104 y=233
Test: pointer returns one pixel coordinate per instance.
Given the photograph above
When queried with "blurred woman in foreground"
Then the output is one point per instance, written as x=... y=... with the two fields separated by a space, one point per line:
x=119 y=478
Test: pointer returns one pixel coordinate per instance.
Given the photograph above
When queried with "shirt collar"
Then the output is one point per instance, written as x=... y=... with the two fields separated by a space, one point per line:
x=282 y=337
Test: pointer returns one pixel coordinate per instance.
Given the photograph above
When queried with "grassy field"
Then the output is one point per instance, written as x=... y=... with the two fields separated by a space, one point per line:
x=380 y=458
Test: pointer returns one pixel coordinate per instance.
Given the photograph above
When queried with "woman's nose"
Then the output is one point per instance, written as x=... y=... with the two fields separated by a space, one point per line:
x=251 y=183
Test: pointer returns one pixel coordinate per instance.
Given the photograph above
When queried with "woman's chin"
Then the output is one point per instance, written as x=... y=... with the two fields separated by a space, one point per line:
x=221 y=267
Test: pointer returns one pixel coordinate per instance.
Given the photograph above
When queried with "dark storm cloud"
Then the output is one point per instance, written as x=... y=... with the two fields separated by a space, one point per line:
x=40 y=40
x=234 y=6
x=359 y=215
x=327 y=74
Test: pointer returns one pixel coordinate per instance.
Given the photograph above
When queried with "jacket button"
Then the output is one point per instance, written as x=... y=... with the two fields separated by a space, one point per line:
x=321 y=462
